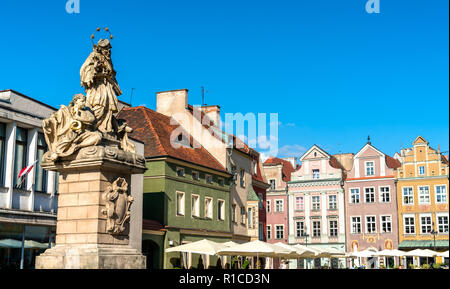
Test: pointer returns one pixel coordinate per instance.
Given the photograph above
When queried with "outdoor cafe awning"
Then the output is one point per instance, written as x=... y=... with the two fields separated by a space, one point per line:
x=423 y=244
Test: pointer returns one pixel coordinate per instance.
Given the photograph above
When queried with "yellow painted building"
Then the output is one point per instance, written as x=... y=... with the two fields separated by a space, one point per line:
x=422 y=197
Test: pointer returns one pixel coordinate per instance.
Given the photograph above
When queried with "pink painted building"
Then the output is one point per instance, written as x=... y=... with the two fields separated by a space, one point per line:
x=278 y=173
x=316 y=204
x=370 y=201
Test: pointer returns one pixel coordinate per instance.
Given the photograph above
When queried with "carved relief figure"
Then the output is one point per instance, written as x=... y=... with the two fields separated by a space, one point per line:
x=118 y=202
x=70 y=129
x=99 y=80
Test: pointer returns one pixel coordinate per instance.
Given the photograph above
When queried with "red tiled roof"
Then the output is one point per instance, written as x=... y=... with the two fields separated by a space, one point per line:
x=287 y=167
x=392 y=163
x=258 y=175
x=151 y=225
x=154 y=130
x=444 y=159
x=335 y=163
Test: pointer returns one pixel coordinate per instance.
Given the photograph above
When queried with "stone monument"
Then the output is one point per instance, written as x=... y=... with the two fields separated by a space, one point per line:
x=90 y=149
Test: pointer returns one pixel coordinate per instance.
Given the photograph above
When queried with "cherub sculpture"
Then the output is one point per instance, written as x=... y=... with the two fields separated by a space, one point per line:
x=70 y=129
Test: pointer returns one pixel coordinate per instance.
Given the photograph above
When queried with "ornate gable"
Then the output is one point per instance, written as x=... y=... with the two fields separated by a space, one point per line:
x=315 y=152
x=420 y=141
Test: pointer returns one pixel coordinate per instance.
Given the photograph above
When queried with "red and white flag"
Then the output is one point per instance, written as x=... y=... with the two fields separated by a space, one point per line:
x=26 y=170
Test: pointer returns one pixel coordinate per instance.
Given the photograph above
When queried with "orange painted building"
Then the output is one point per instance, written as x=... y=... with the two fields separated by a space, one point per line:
x=422 y=197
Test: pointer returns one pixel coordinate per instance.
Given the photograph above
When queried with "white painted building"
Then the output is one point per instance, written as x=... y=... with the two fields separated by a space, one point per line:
x=30 y=206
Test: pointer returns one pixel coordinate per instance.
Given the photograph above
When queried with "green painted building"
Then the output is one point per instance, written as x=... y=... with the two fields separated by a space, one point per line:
x=186 y=192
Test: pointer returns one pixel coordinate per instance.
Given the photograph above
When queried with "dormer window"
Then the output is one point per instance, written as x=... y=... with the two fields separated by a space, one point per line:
x=183 y=140
x=180 y=172
x=370 y=169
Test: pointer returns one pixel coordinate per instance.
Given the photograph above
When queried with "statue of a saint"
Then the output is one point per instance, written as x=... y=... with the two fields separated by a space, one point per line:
x=70 y=129
x=99 y=80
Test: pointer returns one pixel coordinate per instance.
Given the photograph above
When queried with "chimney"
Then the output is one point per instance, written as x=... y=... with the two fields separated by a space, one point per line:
x=213 y=113
x=292 y=160
x=172 y=101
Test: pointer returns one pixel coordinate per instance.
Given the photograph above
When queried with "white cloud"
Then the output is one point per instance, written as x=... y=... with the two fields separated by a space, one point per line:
x=291 y=151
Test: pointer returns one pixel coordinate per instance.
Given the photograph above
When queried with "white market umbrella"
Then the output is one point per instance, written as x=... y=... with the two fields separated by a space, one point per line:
x=310 y=252
x=444 y=254
x=389 y=253
x=419 y=253
x=431 y=252
x=255 y=248
x=363 y=254
x=204 y=246
x=296 y=252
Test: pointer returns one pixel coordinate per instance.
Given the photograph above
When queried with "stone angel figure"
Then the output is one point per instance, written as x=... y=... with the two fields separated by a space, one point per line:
x=98 y=77
x=70 y=129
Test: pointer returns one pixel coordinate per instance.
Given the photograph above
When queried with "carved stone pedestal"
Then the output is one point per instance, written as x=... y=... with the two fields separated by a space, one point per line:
x=92 y=230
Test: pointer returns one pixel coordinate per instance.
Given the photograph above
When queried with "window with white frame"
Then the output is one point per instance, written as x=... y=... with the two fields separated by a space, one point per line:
x=233 y=213
x=243 y=215
x=356 y=225
x=424 y=195
x=279 y=230
x=442 y=224
x=195 y=206
x=242 y=175
x=385 y=194
x=268 y=206
x=299 y=229
x=273 y=184
x=299 y=203
x=421 y=170
x=386 y=224
x=20 y=156
x=408 y=196
x=315 y=200
x=332 y=202
x=180 y=203
x=279 y=206
x=316 y=174
x=370 y=195
x=354 y=196
x=40 y=176
x=208 y=208
x=333 y=228
x=370 y=168
x=221 y=210
x=269 y=232
x=371 y=225
x=441 y=194
x=250 y=217
x=409 y=224
x=425 y=224
x=2 y=151
x=316 y=229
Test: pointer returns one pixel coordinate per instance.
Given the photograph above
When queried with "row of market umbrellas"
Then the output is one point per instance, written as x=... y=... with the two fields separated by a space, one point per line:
x=397 y=253
x=280 y=250
x=256 y=248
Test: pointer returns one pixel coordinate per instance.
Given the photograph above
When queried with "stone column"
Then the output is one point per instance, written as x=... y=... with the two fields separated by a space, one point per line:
x=85 y=235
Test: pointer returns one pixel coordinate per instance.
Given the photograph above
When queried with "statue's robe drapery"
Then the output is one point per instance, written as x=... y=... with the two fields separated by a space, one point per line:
x=62 y=140
x=98 y=78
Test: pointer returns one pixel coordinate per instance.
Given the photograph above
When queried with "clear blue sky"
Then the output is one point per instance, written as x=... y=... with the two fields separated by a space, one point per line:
x=334 y=73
